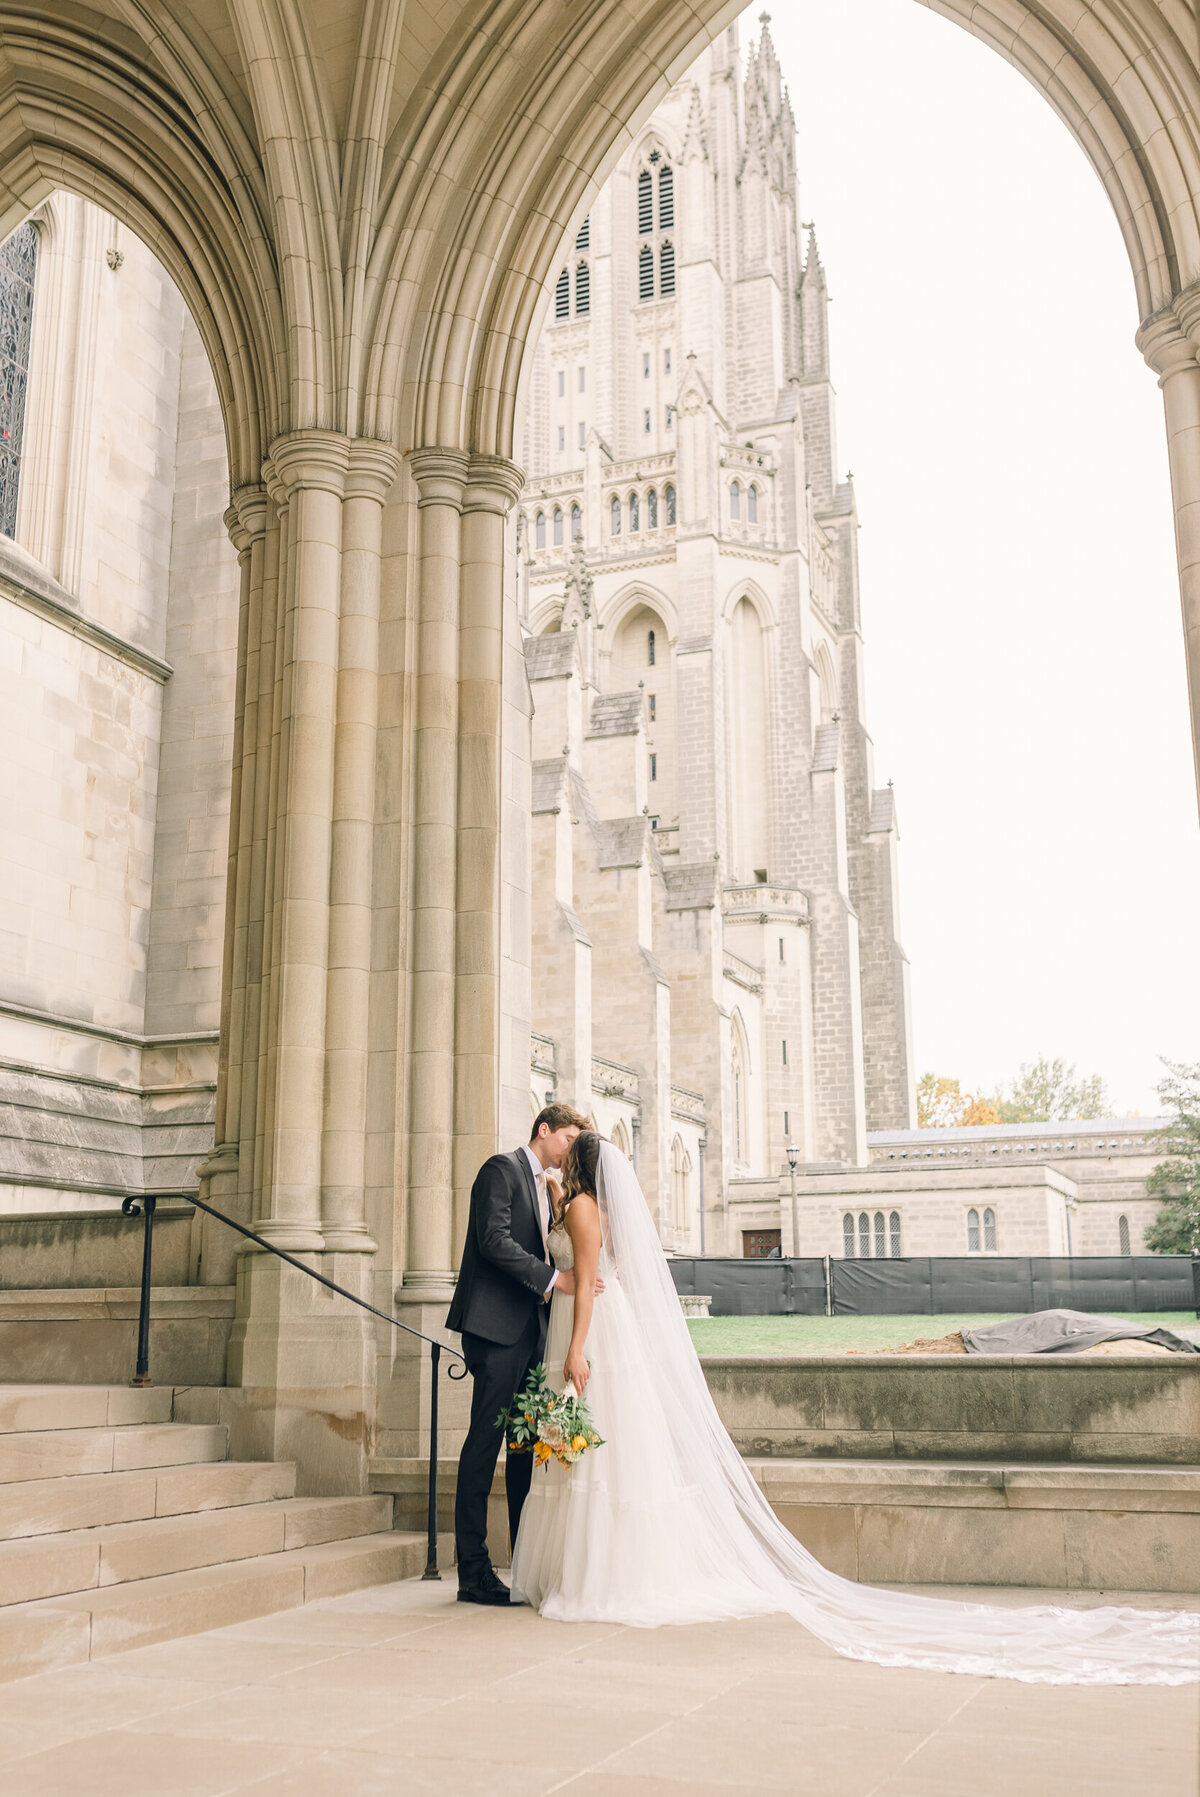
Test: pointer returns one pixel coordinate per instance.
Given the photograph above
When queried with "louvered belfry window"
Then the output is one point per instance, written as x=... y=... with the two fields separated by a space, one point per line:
x=562 y=296
x=666 y=198
x=584 y=234
x=646 y=273
x=645 y=204
x=583 y=290
x=666 y=265
x=18 y=266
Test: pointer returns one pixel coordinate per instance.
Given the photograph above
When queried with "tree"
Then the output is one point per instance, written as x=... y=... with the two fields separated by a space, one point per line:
x=1048 y=1091
x=942 y=1104
x=1176 y=1228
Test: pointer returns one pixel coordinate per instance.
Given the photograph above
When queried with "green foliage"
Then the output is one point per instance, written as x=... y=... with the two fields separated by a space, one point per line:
x=550 y=1424
x=1176 y=1228
x=1048 y=1091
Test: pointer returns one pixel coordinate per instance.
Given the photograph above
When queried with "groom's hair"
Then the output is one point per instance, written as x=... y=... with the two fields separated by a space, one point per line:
x=558 y=1116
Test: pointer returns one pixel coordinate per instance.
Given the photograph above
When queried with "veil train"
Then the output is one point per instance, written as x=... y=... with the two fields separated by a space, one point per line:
x=1037 y=1644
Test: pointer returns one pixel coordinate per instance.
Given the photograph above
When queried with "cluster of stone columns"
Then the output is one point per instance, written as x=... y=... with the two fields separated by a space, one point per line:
x=301 y=946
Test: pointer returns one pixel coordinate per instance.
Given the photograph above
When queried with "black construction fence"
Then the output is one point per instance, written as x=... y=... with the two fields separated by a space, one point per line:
x=939 y=1285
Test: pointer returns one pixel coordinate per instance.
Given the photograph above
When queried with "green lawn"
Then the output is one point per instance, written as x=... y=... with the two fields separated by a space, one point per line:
x=833 y=1335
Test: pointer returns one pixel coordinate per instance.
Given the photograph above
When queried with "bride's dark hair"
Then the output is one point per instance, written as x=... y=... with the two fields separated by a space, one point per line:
x=579 y=1165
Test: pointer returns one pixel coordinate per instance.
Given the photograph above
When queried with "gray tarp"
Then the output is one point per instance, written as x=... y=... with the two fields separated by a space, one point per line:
x=1065 y=1332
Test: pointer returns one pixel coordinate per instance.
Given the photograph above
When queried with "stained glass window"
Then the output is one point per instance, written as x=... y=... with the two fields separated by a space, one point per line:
x=18 y=265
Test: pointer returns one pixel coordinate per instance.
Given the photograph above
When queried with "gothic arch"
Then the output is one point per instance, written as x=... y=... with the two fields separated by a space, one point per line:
x=632 y=598
x=755 y=595
x=827 y=679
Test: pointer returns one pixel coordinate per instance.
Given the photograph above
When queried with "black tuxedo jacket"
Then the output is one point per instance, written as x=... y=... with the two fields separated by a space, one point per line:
x=504 y=1272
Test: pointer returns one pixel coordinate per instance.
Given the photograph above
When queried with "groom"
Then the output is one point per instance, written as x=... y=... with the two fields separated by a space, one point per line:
x=500 y=1306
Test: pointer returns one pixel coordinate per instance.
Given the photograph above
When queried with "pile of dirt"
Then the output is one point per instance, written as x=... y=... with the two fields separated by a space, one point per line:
x=925 y=1344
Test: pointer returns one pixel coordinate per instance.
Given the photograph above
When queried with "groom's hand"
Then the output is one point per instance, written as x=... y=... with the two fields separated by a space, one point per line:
x=565 y=1283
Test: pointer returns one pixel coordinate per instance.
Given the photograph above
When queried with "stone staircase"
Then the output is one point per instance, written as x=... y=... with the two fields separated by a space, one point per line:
x=120 y=1526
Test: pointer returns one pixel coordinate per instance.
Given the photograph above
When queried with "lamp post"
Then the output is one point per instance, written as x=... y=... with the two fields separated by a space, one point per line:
x=793 y=1155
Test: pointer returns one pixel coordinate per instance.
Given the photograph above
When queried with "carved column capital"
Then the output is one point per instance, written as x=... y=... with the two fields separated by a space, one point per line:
x=440 y=474
x=310 y=459
x=371 y=469
x=1170 y=339
x=494 y=484
x=246 y=518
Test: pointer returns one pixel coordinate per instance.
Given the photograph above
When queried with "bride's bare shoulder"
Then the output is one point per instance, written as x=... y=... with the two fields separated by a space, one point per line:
x=582 y=1213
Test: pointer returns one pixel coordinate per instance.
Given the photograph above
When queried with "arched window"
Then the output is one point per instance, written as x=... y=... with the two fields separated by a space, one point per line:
x=562 y=296
x=539 y=531
x=620 y=1138
x=752 y=506
x=1123 y=1235
x=558 y=527
x=18 y=267
x=989 y=1231
x=669 y=497
x=666 y=198
x=614 y=516
x=972 y=1231
x=666 y=270
x=864 y=1236
x=576 y=524
x=652 y=510
x=583 y=290
x=739 y=1102
x=681 y=1168
x=649 y=648
x=894 y=1234
x=735 y=502
x=848 y=1236
x=645 y=273
x=880 y=1237
x=645 y=204
x=635 y=516
x=583 y=235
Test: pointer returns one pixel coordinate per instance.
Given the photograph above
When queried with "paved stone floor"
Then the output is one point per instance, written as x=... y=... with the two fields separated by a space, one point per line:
x=400 y=1690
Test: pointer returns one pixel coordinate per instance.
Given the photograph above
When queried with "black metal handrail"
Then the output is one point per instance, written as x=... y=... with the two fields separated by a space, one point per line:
x=144 y=1205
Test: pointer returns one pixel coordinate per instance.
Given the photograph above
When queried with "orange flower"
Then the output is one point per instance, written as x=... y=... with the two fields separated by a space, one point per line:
x=541 y=1453
x=579 y=1444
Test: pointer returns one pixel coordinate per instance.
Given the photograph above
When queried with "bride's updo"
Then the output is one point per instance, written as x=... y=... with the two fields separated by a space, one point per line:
x=579 y=1165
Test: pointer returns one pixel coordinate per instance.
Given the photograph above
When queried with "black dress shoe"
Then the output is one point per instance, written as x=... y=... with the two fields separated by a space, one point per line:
x=485 y=1588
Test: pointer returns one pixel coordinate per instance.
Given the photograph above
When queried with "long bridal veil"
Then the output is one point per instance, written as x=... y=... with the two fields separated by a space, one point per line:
x=1040 y=1643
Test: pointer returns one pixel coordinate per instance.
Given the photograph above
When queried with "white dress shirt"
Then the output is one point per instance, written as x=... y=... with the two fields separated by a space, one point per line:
x=539 y=1179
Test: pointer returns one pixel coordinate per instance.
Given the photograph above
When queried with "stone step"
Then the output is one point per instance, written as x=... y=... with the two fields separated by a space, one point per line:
x=63 y=1631
x=82 y=1559
x=63 y=1453
x=91 y=1500
x=24 y=1408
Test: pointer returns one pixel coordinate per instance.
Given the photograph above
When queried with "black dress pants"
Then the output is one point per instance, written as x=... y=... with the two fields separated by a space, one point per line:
x=497 y=1373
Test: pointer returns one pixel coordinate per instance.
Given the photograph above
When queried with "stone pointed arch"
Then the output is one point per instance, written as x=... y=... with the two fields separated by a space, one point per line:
x=630 y=598
x=755 y=595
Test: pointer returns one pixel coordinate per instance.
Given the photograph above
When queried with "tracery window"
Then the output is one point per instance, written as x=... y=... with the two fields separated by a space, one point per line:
x=669 y=497
x=18 y=267
x=1123 y=1234
x=880 y=1239
x=735 y=502
x=562 y=296
x=894 y=1234
x=614 y=516
x=864 y=1236
x=635 y=517
x=652 y=223
x=752 y=505
x=848 y=1235
x=989 y=1231
x=539 y=531
x=576 y=524
x=652 y=510
x=972 y=1231
x=558 y=527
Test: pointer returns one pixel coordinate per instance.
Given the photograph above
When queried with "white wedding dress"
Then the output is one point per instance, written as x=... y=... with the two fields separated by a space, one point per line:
x=665 y=1523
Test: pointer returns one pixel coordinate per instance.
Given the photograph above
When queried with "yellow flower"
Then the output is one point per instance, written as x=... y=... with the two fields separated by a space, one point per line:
x=579 y=1444
x=541 y=1453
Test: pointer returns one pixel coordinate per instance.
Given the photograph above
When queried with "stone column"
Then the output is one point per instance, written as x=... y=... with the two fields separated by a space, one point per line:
x=1170 y=342
x=369 y=478
x=440 y=476
x=493 y=486
x=311 y=467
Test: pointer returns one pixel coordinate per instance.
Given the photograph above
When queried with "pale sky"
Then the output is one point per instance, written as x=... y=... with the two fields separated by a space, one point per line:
x=1025 y=677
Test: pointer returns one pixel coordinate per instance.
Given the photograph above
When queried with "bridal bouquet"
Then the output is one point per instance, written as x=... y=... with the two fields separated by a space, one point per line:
x=551 y=1423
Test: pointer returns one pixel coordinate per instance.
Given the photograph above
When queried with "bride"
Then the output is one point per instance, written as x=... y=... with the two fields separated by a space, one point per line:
x=665 y=1523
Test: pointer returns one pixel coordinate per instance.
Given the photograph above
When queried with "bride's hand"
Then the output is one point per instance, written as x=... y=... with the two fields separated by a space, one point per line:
x=565 y=1283
x=577 y=1372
